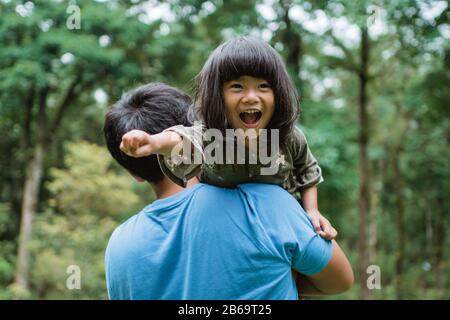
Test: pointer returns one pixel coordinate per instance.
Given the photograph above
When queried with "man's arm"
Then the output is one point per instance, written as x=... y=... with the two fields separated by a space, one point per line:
x=335 y=278
x=305 y=287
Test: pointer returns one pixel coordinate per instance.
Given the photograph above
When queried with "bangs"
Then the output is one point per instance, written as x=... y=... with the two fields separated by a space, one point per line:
x=246 y=57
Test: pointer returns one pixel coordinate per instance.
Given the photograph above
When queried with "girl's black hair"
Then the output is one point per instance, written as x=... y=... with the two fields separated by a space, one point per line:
x=235 y=58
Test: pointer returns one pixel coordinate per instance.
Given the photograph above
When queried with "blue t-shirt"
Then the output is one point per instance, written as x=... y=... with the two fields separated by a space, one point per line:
x=208 y=242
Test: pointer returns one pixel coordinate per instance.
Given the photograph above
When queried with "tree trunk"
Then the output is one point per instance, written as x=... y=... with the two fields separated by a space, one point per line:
x=440 y=263
x=400 y=224
x=34 y=172
x=373 y=227
x=33 y=178
x=440 y=237
x=30 y=198
x=292 y=42
x=29 y=104
x=364 y=193
x=429 y=231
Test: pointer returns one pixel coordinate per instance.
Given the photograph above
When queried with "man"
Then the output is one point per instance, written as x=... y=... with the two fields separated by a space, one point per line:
x=206 y=242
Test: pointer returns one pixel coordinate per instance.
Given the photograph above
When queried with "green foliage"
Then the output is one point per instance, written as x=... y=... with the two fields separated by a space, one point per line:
x=88 y=200
x=89 y=185
x=85 y=195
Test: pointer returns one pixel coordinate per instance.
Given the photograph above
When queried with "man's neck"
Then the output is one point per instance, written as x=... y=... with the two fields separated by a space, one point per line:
x=166 y=188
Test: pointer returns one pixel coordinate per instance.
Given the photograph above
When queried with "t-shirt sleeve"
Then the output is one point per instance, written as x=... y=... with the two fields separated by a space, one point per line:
x=288 y=232
x=306 y=167
x=314 y=258
x=309 y=252
x=182 y=167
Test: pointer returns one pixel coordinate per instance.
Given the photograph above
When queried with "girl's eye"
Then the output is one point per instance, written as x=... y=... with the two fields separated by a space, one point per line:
x=265 y=85
x=236 y=86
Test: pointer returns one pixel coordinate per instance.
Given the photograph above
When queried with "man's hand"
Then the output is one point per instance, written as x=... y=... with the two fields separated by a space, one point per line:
x=322 y=226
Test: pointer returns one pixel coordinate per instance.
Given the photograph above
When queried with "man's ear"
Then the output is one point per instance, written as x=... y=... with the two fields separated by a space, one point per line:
x=138 y=179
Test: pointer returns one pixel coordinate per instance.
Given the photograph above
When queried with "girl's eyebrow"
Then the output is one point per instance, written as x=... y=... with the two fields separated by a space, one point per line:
x=232 y=80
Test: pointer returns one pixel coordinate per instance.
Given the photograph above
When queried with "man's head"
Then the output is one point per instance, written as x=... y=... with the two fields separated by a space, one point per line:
x=151 y=108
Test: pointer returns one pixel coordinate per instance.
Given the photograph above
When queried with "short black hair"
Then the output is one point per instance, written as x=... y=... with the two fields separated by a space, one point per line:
x=151 y=108
x=239 y=57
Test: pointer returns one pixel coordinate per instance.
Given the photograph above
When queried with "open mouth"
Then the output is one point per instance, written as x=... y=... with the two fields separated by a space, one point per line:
x=250 y=117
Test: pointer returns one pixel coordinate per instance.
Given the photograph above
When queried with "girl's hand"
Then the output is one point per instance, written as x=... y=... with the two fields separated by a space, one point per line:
x=137 y=144
x=322 y=226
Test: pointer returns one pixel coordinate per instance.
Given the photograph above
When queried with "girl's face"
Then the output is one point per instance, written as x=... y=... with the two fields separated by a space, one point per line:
x=249 y=103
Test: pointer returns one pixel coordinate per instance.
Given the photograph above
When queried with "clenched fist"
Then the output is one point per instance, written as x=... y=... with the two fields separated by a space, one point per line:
x=137 y=144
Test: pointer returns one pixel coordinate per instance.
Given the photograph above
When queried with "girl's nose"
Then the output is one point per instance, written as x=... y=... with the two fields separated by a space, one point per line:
x=250 y=97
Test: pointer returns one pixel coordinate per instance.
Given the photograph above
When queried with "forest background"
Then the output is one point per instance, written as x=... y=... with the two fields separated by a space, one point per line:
x=373 y=77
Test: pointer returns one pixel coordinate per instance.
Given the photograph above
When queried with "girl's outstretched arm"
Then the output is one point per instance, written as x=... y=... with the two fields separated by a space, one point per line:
x=165 y=145
x=138 y=143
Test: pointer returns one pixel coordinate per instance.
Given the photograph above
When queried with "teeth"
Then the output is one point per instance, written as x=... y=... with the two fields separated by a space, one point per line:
x=251 y=111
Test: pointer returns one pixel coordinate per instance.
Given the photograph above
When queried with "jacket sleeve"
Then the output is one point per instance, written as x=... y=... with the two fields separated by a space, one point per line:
x=185 y=162
x=306 y=168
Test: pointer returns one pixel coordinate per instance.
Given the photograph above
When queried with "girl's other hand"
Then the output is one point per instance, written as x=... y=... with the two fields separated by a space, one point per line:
x=321 y=225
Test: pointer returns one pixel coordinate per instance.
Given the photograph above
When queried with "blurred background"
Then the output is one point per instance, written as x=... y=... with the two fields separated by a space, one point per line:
x=374 y=83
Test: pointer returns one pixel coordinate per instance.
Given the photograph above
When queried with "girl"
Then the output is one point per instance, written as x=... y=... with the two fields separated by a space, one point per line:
x=243 y=85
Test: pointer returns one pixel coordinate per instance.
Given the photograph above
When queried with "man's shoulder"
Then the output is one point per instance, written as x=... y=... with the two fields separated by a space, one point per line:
x=274 y=204
x=272 y=192
x=213 y=193
x=125 y=230
x=269 y=194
